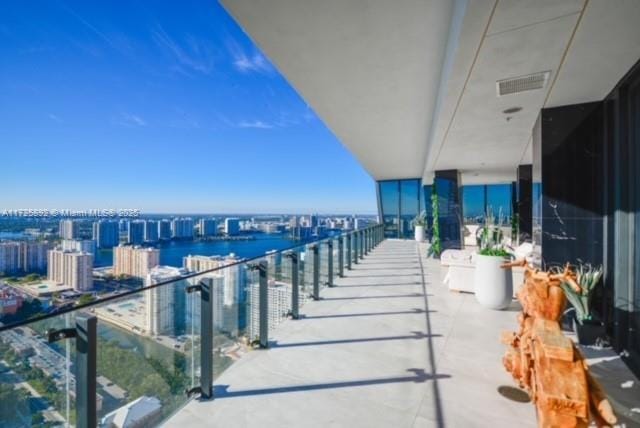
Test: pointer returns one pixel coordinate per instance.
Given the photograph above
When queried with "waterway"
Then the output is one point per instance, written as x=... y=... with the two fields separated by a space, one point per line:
x=172 y=252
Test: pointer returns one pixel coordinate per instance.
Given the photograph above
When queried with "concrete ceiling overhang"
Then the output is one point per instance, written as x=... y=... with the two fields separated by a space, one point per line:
x=370 y=69
x=409 y=87
x=586 y=45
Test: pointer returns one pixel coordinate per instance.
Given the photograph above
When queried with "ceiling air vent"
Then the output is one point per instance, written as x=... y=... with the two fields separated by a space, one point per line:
x=529 y=82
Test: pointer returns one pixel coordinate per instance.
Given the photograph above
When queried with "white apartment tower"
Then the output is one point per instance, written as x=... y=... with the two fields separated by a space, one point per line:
x=279 y=297
x=134 y=261
x=80 y=245
x=159 y=301
x=71 y=268
x=68 y=229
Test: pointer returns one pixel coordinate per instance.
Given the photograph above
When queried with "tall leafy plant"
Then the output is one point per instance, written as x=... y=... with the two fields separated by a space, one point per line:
x=420 y=219
x=490 y=240
x=587 y=277
x=436 y=246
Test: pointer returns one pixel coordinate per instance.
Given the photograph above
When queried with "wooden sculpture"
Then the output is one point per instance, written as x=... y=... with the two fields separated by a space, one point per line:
x=547 y=364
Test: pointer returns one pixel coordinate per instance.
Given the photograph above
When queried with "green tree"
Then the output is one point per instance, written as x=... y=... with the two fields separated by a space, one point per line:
x=32 y=277
x=85 y=299
x=37 y=419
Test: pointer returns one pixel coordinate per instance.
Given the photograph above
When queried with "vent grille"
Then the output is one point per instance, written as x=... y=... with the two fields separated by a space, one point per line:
x=516 y=85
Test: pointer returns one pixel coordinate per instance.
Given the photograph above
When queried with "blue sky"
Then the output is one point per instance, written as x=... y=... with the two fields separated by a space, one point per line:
x=161 y=106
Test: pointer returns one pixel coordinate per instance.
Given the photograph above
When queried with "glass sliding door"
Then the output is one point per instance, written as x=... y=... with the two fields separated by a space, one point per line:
x=449 y=209
x=499 y=202
x=474 y=203
x=409 y=206
x=426 y=204
x=399 y=202
x=389 y=199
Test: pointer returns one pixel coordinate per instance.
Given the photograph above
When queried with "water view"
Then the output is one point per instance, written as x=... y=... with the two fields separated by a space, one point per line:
x=172 y=252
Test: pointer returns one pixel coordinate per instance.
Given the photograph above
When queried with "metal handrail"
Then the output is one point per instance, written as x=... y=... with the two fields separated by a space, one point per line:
x=5 y=327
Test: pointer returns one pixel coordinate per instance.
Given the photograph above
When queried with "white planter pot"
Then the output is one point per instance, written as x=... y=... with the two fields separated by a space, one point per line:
x=419 y=233
x=493 y=285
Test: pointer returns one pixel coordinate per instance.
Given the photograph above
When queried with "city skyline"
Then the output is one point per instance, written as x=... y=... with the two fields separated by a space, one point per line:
x=148 y=111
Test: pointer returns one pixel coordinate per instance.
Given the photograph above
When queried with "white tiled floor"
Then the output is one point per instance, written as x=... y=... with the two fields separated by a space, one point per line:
x=368 y=355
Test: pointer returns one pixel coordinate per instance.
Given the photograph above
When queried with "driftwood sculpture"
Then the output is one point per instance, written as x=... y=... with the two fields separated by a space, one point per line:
x=546 y=363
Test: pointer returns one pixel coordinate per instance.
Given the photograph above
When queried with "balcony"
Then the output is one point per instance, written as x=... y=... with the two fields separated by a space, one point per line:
x=352 y=330
x=388 y=346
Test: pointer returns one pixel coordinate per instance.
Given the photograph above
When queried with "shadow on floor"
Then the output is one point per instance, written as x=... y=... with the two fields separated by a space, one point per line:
x=392 y=296
x=418 y=376
x=403 y=284
x=349 y=275
x=436 y=397
x=365 y=314
x=415 y=335
x=364 y=268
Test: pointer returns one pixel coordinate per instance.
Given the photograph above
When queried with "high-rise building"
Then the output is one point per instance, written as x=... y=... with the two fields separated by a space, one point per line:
x=279 y=298
x=151 y=231
x=228 y=292
x=135 y=232
x=274 y=264
x=231 y=226
x=134 y=261
x=9 y=257
x=106 y=234
x=360 y=223
x=33 y=256
x=208 y=227
x=23 y=256
x=71 y=268
x=160 y=301
x=79 y=245
x=182 y=228
x=69 y=229
x=347 y=224
x=164 y=230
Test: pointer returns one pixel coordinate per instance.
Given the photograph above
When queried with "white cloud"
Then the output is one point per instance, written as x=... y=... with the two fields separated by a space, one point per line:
x=248 y=63
x=257 y=124
x=196 y=56
x=54 y=117
x=132 y=120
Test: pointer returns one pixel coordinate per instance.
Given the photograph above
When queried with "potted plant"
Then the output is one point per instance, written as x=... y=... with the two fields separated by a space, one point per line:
x=493 y=285
x=585 y=325
x=418 y=223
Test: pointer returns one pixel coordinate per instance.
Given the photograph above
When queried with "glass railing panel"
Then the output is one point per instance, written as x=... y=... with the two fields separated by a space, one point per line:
x=304 y=293
x=279 y=291
x=336 y=257
x=148 y=352
x=253 y=300
x=286 y=264
x=231 y=315
x=37 y=378
x=306 y=286
x=149 y=342
x=274 y=260
x=324 y=263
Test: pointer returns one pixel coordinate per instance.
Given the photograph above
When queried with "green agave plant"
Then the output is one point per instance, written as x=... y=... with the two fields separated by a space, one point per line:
x=588 y=277
x=420 y=219
x=490 y=239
